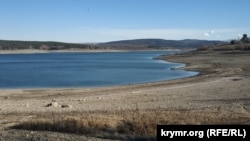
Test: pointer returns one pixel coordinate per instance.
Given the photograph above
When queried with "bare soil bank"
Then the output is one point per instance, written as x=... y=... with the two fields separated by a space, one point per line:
x=219 y=95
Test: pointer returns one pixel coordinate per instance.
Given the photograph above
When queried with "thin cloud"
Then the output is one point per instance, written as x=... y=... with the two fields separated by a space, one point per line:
x=207 y=34
x=103 y=34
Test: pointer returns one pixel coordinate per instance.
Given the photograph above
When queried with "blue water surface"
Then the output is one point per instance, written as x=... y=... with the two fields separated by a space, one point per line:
x=64 y=70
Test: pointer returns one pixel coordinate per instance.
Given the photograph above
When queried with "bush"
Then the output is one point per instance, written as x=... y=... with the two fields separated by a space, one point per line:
x=202 y=48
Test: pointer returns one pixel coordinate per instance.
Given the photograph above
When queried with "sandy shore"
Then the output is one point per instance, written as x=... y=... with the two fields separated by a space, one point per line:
x=220 y=95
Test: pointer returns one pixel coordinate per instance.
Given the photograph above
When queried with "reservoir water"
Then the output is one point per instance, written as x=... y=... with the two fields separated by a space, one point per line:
x=64 y=70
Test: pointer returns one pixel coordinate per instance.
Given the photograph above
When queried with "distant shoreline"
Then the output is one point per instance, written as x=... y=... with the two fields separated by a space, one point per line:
x=33 y=51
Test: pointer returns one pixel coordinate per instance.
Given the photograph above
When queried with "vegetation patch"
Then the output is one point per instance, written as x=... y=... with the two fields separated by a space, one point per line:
x=124 y=125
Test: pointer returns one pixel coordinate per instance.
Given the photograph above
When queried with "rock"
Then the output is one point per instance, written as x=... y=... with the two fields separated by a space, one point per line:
x=52 y=104
x=66 y=106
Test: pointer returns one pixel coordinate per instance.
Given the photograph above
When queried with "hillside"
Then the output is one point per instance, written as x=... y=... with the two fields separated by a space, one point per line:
x=158 y=43
x=137 y=44
x=11 y=45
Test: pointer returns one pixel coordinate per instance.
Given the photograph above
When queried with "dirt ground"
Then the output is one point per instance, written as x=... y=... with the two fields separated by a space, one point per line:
x=220 y=94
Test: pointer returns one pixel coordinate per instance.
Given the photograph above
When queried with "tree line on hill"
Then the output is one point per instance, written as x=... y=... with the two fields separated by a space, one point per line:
x=137 y=44
x=158 y=44
x=244 y=39
x=240 y=44
x=11 y=45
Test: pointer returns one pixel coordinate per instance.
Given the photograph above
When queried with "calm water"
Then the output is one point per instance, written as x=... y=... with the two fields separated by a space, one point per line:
x=85 y=69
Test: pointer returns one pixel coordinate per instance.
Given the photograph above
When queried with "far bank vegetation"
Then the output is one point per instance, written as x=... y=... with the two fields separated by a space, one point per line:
x=13 y=45
x=240 y=44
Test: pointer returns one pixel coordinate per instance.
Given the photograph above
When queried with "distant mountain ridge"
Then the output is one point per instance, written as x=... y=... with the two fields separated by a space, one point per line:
x=137 y=44
x=160 y=43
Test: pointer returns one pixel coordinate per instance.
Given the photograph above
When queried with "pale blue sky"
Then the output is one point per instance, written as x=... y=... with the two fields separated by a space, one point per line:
x=107 y=20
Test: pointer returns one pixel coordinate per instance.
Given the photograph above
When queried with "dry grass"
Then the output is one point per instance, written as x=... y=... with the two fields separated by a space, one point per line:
x=226 y=47
x=241 y=46
x=125 y=125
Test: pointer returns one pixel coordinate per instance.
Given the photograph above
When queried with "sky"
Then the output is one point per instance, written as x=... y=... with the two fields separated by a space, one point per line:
x=89 y=21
